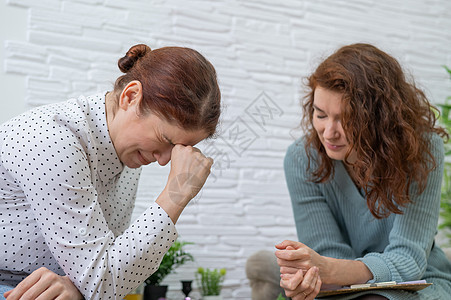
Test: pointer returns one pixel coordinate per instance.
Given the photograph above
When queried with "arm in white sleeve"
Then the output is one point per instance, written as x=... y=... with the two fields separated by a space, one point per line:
x=56 y=178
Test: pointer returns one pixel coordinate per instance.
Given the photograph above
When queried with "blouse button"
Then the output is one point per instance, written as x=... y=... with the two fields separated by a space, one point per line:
x=82 y=231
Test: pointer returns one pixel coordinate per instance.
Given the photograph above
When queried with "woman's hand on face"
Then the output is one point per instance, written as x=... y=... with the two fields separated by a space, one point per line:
x=44 y=284
x=293 y=256
x=189 y=171
x=300 y=287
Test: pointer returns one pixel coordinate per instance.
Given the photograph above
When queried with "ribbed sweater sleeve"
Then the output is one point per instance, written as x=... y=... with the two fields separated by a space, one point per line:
x=315 y=224
x=411 y=238
x=323 y=213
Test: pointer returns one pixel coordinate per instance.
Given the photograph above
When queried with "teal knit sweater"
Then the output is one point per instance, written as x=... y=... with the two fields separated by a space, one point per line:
x=333 y=219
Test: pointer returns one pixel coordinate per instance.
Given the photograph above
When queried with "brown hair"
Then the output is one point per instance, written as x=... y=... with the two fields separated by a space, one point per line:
x=179 y=84
x=386 y=120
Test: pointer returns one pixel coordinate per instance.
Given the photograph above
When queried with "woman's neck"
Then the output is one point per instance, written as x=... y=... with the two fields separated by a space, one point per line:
x=110 y=107
x=352 y=173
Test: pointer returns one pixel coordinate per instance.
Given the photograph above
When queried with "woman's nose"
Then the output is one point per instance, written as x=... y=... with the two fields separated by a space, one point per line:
x=331 y=131
x=164 y=157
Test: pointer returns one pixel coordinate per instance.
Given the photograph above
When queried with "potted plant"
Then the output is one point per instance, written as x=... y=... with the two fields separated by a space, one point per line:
x=281 y=297
x=176 y=256
x=210 y=282
x=446 y=185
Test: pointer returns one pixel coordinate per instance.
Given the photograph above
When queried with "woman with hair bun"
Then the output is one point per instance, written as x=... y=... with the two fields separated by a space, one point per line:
x=69 y=174
x=365 y=182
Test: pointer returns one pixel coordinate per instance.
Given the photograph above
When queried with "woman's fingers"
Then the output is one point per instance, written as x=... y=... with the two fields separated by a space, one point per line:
x=293 y=264
x=313 y=294
x=51 y=293
x=288 y=270
x=44 y=284
x=189 y=171
x=291 y=282
x=288 y=243
x=318 y=285
x=60 y=289
x=293 y=259
x=190 y=159
x=26 y=284
x=300 y=286
x=296 y=254
x=6 y=294
x=301 y=257
x=308 y=285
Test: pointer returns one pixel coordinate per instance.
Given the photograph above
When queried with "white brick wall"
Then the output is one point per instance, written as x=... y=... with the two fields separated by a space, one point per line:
x=256 y=46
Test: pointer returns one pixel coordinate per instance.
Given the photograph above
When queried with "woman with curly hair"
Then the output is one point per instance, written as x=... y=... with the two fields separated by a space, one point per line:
x=365 y=182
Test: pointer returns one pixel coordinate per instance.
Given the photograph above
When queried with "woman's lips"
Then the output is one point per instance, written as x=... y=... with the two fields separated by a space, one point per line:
x=334 y=147
x=142 y=159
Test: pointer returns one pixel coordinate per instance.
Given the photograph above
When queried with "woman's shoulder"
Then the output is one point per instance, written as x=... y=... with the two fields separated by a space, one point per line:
x=299 y=155
x=49 y=115
x=435 y=139
x=299 y=149
x=62 y=120
x=436 y=144
x=296 y=149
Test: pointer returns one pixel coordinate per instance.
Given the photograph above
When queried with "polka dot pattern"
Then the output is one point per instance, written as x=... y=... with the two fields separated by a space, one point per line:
x=66 y=203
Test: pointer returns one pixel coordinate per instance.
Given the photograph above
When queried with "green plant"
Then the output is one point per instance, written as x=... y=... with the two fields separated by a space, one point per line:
x=176 y=256
x=449 y=72
x=210 y=281
x=281 y=297
x=445 y=203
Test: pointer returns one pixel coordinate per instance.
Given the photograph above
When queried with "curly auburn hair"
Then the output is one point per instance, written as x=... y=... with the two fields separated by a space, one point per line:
x=386 y=120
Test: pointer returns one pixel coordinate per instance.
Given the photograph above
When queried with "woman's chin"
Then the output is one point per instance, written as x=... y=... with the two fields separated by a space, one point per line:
x=132 y=164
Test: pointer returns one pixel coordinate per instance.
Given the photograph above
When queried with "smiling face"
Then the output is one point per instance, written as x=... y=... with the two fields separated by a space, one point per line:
x=142 y=139
x=327 y=108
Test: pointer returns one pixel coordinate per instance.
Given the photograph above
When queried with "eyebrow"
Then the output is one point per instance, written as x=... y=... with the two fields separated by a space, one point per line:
x=317 y=108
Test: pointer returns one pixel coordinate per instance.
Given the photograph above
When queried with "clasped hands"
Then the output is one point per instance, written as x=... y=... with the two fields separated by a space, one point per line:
x=300 y=270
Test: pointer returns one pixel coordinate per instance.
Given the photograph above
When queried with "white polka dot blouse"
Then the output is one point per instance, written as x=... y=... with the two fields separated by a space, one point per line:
x=66 y=202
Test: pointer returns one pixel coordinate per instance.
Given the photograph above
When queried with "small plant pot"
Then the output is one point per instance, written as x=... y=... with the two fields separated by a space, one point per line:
x=155 y=292
x=217 y=297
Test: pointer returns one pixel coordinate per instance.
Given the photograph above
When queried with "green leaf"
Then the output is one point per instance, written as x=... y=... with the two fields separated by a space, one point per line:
x=210 y=280
x=281 y=297
x=448 y=70
x=175 y=257
x=445 y=202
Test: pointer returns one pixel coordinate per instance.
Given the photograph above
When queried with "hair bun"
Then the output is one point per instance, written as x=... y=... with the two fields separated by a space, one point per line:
x=131 y=57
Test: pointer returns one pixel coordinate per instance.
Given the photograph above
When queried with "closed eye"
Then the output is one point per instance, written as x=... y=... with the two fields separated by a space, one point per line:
x=319 y=113
x=168 y=140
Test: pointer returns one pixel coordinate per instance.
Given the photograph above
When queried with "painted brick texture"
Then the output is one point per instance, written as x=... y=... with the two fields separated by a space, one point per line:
x=261 y=50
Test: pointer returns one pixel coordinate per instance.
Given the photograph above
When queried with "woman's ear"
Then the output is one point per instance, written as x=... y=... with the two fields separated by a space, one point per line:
x=131 y=95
